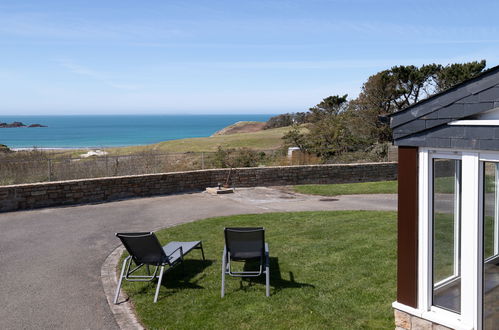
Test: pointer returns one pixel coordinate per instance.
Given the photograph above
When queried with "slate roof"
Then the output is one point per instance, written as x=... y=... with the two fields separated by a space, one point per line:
x=424 y=124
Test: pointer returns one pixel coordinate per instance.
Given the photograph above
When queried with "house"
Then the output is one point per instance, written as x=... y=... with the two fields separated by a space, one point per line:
x=448 y=209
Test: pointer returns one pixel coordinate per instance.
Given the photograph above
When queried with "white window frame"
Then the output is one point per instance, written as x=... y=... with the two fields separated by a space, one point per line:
x=457 y=210
x=471 y=239
x=493 y=158
x=495 y=256
x=467 y=319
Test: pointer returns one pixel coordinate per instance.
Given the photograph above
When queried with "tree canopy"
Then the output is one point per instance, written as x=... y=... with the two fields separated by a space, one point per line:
x=338 y=125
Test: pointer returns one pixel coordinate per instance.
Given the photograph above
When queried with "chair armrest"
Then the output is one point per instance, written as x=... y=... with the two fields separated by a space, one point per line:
x=181 y=252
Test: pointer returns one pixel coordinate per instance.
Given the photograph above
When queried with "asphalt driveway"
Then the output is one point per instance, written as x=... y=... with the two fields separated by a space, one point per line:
x=50 y=259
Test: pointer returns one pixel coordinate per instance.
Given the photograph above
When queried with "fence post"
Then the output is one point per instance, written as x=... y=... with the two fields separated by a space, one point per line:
x=50 y=169
x=107 y=165
x=202 y=160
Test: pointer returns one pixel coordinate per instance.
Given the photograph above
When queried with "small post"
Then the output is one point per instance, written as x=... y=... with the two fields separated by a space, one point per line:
x=202 y=160
x=107 y=165
x=50 y=169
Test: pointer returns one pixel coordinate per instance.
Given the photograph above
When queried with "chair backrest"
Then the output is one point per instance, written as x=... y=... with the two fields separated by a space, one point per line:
x=245 y=243
x=143 y=247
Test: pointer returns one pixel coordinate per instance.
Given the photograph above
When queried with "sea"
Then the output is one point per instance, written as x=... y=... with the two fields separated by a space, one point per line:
x=99 y=131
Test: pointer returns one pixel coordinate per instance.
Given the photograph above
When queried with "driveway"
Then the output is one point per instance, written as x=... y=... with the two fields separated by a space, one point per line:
x=50 y=259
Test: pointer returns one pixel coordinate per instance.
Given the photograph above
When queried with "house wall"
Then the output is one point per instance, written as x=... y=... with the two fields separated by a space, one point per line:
x=407 y=234
x=29 y=196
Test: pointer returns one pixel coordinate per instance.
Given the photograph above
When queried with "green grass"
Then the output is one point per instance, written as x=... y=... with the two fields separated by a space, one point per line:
x=380 y=187
x=329 y=270
x=443 y=241
x=262 y=140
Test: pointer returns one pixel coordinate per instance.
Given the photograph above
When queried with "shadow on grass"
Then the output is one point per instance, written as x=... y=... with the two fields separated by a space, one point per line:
x=277 y=282
x=176 y=279
x=181 y=276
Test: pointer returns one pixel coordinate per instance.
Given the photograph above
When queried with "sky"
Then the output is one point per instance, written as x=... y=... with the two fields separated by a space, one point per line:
x=193 y=57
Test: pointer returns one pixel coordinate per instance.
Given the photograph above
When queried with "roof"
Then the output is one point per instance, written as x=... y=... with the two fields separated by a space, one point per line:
x=426 y=122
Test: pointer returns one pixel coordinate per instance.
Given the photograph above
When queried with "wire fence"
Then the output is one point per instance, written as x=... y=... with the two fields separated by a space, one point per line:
x=44 y=168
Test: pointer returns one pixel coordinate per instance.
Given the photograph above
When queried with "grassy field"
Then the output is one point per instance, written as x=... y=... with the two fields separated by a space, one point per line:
x=329 y=270
x=261 y=140
x=380 y=187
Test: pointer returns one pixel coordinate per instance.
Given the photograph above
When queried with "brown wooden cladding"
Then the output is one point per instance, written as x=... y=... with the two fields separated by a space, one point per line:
x=407 y=245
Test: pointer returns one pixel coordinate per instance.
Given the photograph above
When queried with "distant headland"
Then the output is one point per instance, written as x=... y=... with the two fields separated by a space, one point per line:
x=19 y=124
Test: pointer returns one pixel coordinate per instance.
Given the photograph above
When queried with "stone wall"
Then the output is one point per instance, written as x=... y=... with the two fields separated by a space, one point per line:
x=405 y=321
x=29 y=196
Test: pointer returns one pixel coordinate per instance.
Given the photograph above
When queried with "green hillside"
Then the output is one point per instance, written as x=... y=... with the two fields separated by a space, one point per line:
x=261 y=140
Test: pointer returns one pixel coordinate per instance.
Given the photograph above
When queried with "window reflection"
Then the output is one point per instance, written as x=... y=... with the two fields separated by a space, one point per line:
x=446 y=234
x=490 y=246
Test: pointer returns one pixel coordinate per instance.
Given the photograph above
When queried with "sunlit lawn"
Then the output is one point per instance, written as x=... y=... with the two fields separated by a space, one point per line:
x=329 y=270
x=380 y=187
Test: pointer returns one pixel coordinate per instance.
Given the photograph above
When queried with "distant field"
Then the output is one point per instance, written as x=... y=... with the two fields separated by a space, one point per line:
x=261 y=140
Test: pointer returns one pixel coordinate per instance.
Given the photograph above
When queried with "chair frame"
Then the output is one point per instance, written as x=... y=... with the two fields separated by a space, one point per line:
x=264 y=263
x=126 y=273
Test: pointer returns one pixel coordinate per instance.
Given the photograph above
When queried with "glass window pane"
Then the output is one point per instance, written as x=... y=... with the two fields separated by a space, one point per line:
x=446 y=234
x=490 y=247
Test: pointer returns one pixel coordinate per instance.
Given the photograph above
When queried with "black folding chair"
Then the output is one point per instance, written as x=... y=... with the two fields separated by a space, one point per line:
x=145 y=250
x=246 y=244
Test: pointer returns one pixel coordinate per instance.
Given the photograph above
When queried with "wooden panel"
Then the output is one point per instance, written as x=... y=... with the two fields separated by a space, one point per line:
x=407 y=265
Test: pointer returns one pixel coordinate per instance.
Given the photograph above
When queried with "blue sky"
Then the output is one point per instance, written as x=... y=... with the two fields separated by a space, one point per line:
x=96 y=57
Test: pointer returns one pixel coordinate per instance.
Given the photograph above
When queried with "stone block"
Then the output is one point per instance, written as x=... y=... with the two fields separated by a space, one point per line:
x=420 y=324
x=402 y=320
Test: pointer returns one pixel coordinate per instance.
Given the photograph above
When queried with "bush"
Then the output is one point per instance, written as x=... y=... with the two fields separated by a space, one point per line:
x=4 y=149
x=287 y=119
x=241 y=157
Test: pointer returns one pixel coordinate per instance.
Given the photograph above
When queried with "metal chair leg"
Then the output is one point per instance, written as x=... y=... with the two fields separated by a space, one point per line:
x=117 y=294
x=160 y=278
x=202 y=251
x=267 y=270
x=224 y=267
x=267 y=281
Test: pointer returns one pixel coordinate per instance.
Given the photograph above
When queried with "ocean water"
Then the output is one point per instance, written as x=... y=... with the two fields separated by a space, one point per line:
x=113 y=130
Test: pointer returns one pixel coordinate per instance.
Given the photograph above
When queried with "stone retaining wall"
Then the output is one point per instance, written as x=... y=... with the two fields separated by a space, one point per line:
x=29 y=196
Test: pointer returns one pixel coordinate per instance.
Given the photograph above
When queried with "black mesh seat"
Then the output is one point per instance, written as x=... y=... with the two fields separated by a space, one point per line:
x=246 y=244
x=145 y=250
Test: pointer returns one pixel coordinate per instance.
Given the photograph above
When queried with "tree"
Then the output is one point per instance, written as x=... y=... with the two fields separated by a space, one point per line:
x=456 y=73
x=374 y=100
x=296 y=138
x=337 y=125
x=409 y=84
x=330 y=106
x=328 y=131
x=395 y=89
x=287 y=119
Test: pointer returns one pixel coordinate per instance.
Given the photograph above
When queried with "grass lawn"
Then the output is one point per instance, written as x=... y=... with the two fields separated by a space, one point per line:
x=329 y=270
x=380 y=187
x=262 y=140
